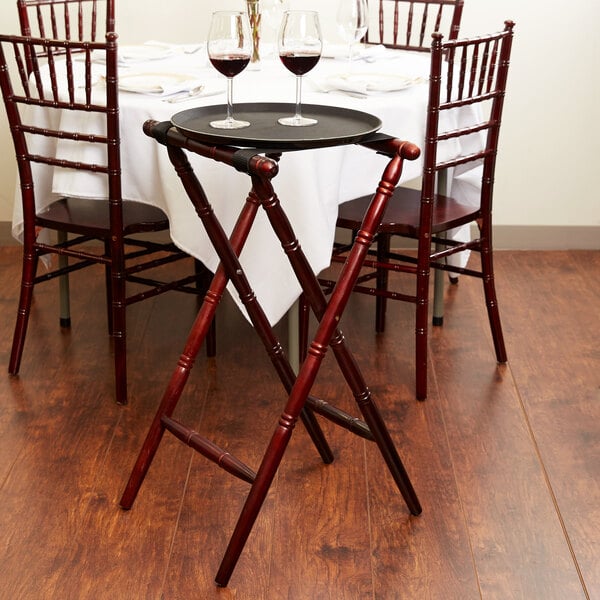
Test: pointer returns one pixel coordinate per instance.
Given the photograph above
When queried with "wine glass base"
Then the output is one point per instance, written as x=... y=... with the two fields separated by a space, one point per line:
x=297 y=121
x=229 y=124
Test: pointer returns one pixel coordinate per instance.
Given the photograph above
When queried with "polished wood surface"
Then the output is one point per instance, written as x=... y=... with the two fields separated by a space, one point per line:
x=408 y=24
x=505 y=459
x=300 y=402
x=29 y=100
x=66 y=19
x=467 y=72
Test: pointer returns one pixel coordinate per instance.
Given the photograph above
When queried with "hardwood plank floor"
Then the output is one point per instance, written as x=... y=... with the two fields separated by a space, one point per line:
x=506 y=460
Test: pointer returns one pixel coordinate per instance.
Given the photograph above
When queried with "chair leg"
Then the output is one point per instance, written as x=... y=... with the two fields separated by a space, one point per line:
x=211 y=340
x=421 y=332
x=489 y=290
x=294 y=329
x=438 y=293
x=63 y=285
x=437 y=319
x=383 y=250
x=28 y=274
x=303 y=323
x=118 y=321
x=203 y=279
x=108 y=289
x=120 y=350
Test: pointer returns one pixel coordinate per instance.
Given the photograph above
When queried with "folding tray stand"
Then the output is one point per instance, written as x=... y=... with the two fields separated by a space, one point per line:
x=258 y=157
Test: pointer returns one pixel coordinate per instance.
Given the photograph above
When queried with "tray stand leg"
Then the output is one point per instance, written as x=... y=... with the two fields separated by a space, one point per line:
x=344 y=357
x=229 y=254
x=162 y=420
x=185 y=363
x=310 y=367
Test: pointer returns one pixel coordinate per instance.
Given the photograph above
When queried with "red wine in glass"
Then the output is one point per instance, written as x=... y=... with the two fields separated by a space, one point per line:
x=299 y=45
x=229 y=51
x=299 y=64
x=231 y=64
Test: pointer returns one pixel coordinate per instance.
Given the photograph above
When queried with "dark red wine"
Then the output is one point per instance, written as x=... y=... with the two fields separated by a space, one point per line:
x=299 y=63
x=230 y=64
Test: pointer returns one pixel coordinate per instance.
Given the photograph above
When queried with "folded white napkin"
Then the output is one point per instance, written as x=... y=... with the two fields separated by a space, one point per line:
x=159 y=83
x=367 y=83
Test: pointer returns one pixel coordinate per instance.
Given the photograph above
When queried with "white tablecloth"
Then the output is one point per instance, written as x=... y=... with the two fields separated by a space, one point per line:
x=311 y=184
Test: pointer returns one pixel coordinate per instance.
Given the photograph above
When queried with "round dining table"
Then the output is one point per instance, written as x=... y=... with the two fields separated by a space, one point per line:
x=160 y=80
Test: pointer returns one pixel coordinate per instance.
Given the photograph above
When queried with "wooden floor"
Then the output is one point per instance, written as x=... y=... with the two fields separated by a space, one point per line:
x=506 y=460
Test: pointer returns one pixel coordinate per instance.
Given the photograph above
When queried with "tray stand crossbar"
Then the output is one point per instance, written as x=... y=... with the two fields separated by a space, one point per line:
x=262 y=166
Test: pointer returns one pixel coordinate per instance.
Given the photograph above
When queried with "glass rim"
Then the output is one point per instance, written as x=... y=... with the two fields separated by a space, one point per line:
x=297 y=10
x=228 y=12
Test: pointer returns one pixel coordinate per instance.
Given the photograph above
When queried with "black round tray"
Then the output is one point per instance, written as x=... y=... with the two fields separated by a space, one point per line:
x=335 y=125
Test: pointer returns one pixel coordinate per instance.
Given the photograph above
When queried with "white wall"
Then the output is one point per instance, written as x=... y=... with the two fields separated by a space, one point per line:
x=550 y=143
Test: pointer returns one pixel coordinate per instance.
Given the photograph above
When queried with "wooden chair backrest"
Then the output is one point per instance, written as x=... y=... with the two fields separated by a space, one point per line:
x=44 y=79
x=408 y=24
x=77 y=20
x=466 y=72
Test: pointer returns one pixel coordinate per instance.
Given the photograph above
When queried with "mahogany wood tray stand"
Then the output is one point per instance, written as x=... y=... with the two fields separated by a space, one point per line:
x=262 y=166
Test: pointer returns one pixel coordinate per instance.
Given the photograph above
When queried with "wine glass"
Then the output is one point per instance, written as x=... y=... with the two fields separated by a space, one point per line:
x=299 y=50
x=352 y=22
x=271 y=12
x=229 y=51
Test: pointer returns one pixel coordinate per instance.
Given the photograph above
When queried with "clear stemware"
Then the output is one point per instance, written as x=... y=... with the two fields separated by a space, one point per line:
x=272 y=12
x=352 y=20
x=229 y=51
x=300 y=45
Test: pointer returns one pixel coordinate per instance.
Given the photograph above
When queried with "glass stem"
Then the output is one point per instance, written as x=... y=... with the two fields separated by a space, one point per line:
x=298 y=114
x=230 y=98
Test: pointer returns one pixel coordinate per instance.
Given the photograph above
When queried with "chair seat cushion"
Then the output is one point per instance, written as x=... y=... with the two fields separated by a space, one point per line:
x=401 y=216
x=91 y=217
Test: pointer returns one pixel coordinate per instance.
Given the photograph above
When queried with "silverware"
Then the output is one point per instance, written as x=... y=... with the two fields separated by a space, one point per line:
x=185 y=95
x=193 y=49
x=350 y=93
